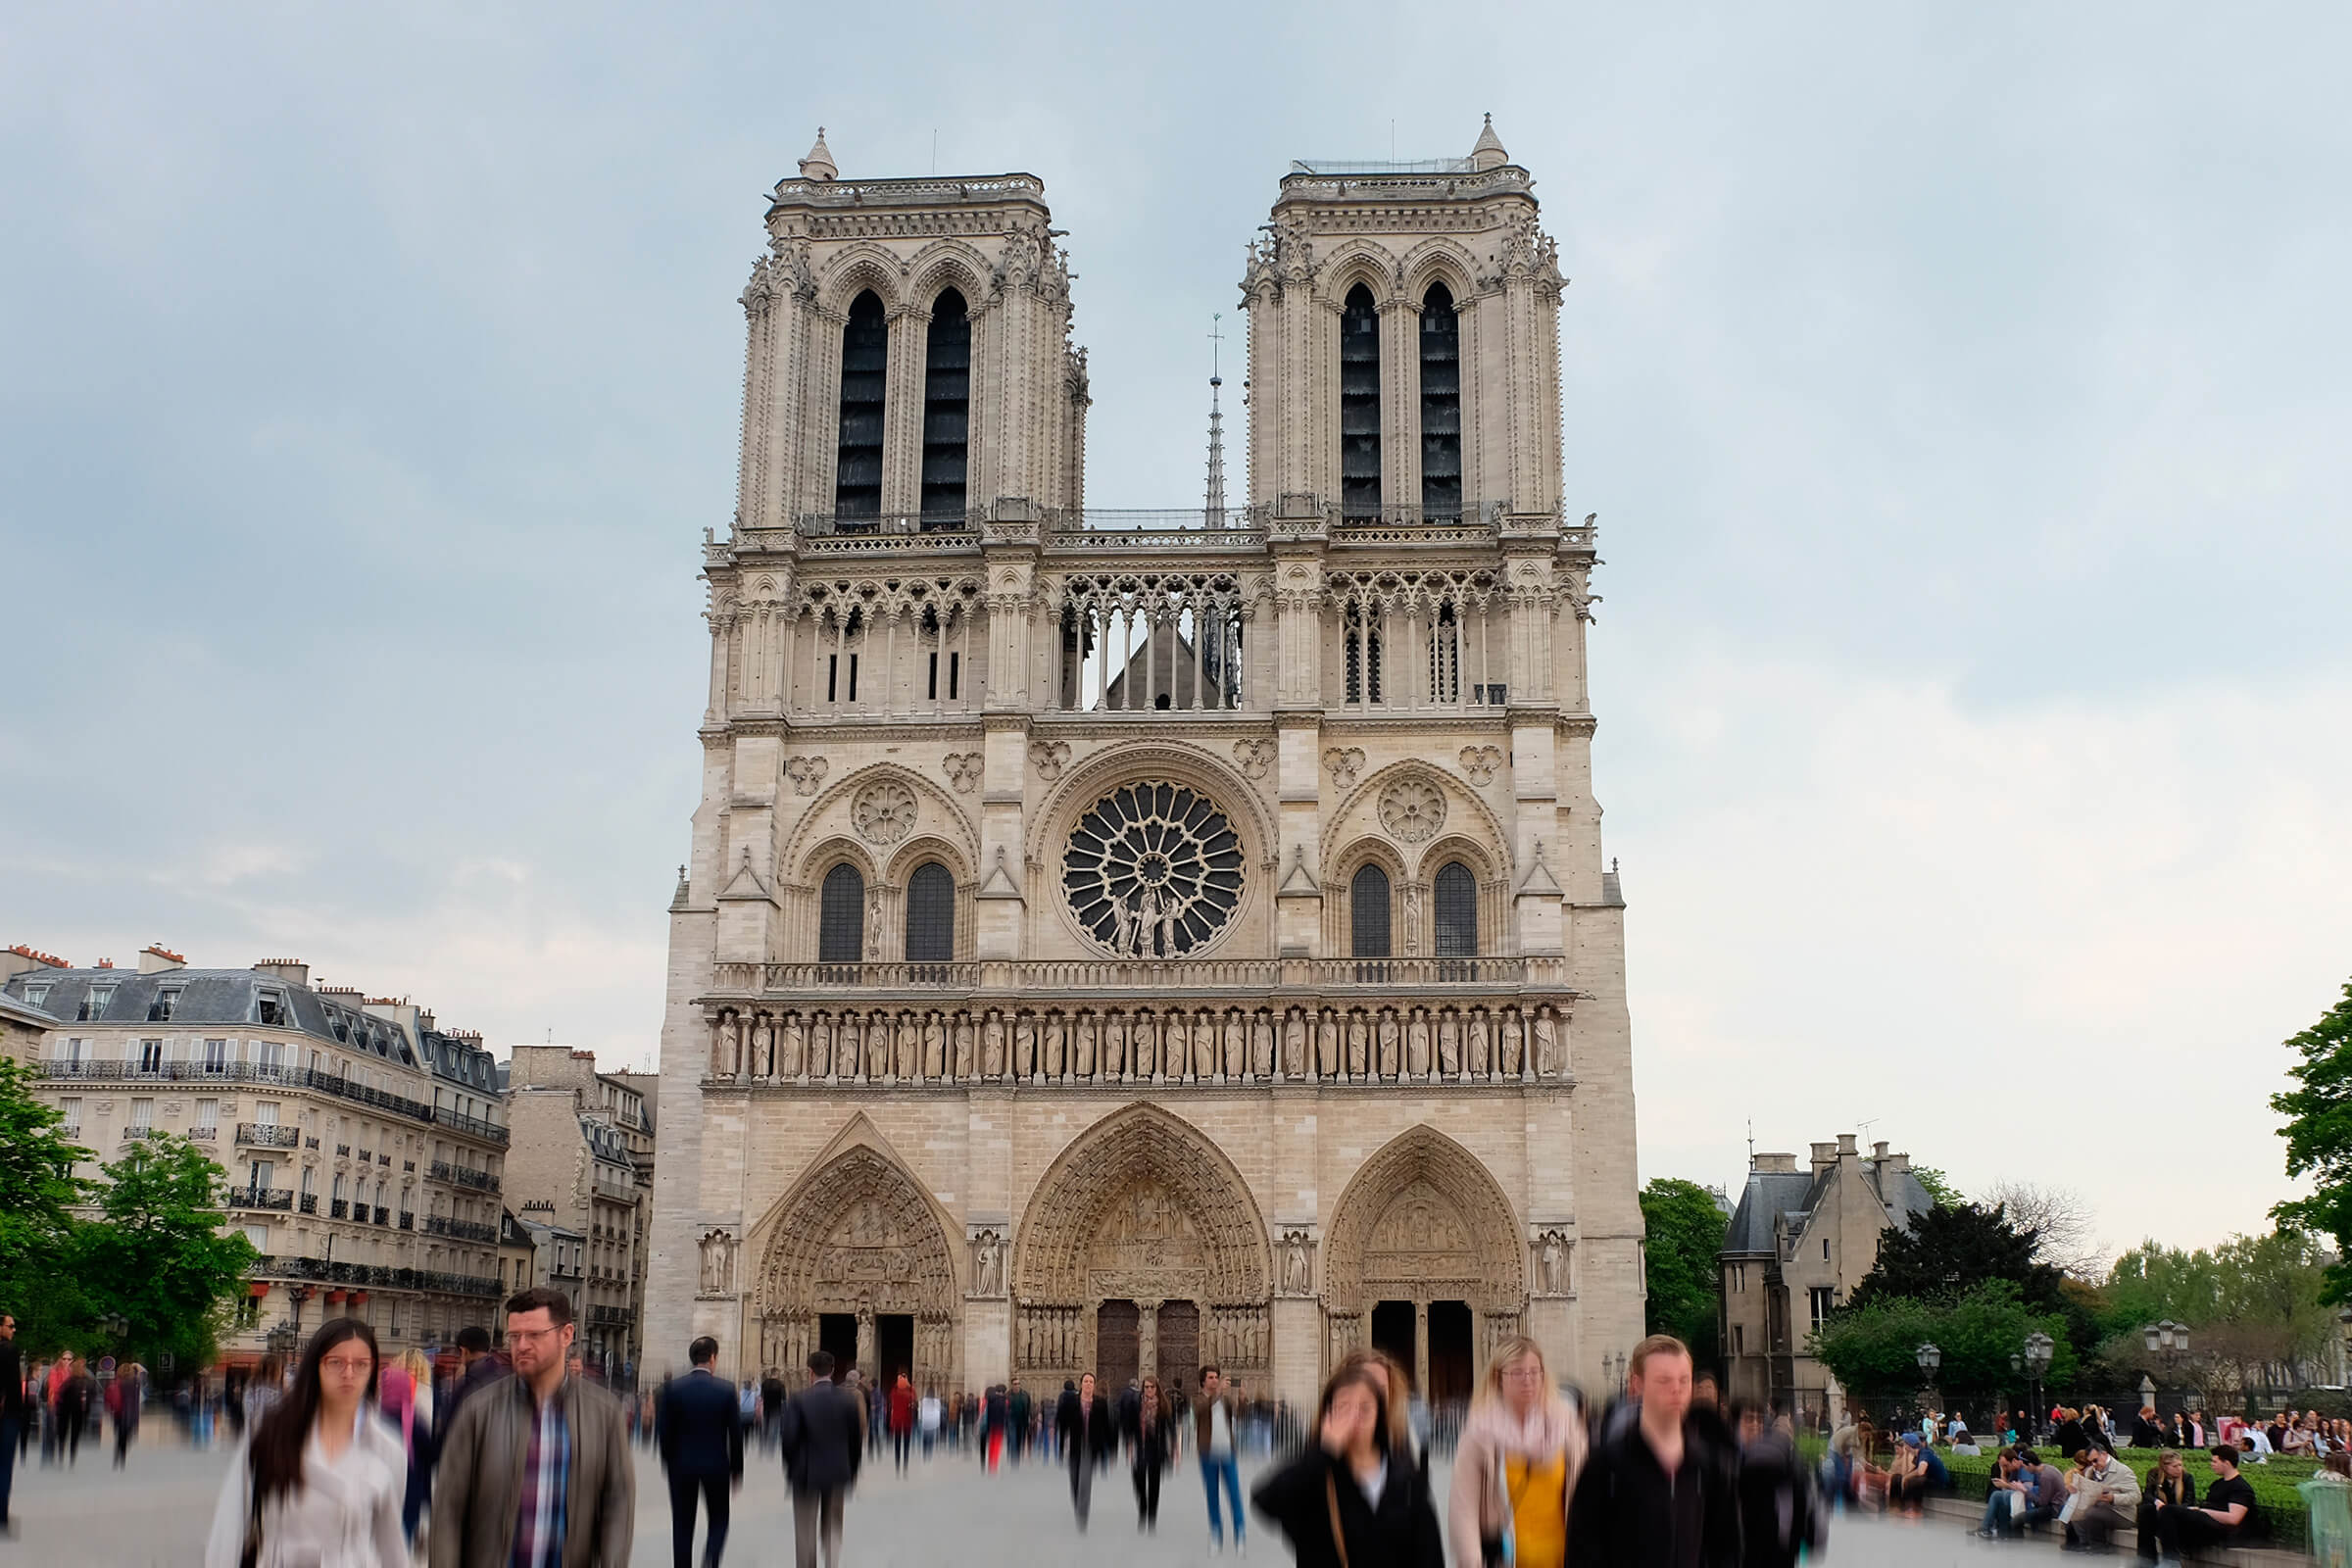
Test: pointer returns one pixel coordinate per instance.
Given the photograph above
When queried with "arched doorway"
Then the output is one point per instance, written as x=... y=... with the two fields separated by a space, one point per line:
x=1141 y=1251
x=1424 y=1262
x=855 y=1262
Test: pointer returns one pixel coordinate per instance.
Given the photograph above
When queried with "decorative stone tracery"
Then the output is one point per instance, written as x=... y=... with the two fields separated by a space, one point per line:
x=1414 y=810
x=1423 y=1219
x=1153 y=870
x=884 y=811
x=858 y=1236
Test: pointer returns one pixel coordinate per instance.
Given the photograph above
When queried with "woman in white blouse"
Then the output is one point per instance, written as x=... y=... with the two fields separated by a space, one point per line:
x=320 y=1480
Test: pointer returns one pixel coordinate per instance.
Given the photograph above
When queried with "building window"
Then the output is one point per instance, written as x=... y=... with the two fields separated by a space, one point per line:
x=1440 y=404
x=215 y=1057
x=1738 y=1339
x=841 y=918
x=1824 y=1298
x=1824 y=1249
x=1361 y=633
x=264 y=1112
x=151 y=1057
x=1446 y=656
x=1368 y=913
x=268 y=1008
x=259 y=1236
x=865 y=366
x=930 y=915
x=36 y=996
x=208 y=1115
x=70 y=1108
x=142 y=1115
x=160 y=1010
x=1457 y=911
x=1359 y=406
x=93 y=1006
x=947 y=409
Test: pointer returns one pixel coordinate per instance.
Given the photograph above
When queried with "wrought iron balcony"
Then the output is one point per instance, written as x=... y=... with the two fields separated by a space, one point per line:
x=474 y=1125
x=339 y=1209
x=310 y=1202
x=463 y=1229
x=383 y=1215
x=462 y=1176
x=271 y=1198
x=269 y=1135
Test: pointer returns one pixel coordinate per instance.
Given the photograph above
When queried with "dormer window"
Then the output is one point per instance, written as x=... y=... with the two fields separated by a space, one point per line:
x=160 y=1010
x=269 y=1006
x=93 y=1006
x=34 y=996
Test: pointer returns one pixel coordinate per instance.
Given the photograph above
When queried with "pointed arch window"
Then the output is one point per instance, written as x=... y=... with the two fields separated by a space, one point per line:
x=1457 y=911
x=841 y=916
x=1440 y=404
x=1445 y=655
x=1359 y=404
x=864 y=365
x=947 y=410
x=930 y=915
x=1368 y=913
x=1360 y=630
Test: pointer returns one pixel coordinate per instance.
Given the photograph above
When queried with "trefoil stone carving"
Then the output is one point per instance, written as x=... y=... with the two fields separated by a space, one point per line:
x=1343 y=762
x=1482 y=762
x=963 y=770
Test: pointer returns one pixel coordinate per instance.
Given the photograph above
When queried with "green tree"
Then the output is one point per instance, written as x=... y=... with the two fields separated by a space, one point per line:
x=1686 y=1235
x=2254 y=1307
x=2319 y=1136
x=1939 y=1186
x=158 y=1260
x=1873 y=1347
x=1949 y=1248
x=38 y=1190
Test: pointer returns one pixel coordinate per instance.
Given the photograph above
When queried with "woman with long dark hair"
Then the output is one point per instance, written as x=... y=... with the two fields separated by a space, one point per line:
x=320 y=1480
x=1155 y=1438
x=1352 y=1499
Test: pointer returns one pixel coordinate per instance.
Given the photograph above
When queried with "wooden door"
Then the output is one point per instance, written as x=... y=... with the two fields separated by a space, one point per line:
x=1179 y=1324
x=1117 y=1347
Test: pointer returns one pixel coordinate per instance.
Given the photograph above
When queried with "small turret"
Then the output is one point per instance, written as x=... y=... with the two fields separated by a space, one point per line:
x=820 y=165
x=1486 y=154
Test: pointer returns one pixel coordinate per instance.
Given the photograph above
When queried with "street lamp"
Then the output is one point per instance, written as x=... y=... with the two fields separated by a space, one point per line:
x=1930 y=1358
x=2039 y=1349
x=2169 y=1339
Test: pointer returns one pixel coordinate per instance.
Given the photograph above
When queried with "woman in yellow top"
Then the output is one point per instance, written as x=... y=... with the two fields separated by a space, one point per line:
x=1516 y=1465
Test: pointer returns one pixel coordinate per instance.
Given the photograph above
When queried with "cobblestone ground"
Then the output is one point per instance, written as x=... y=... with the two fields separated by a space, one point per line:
x=942 y=1515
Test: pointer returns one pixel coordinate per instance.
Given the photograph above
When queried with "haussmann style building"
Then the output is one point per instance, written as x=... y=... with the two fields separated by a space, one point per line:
x=1124 y=940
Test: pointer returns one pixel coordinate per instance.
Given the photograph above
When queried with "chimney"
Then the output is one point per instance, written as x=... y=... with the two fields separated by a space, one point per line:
x=1845 y=1144
x=1773 y=1165
x=1878 y=1151
x=20 y=958
x=425 y=1021
x=155 y=959
x=1893 y=1162
x=1823 y=1156
x=293 y=971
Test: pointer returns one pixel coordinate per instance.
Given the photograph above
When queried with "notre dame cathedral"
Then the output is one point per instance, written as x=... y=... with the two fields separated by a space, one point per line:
x=1131 y=940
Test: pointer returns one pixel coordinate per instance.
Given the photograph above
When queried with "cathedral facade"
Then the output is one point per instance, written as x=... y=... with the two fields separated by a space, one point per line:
x=1128 y=940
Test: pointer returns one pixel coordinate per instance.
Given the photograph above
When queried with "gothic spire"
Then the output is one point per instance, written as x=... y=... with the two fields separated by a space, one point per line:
x=1216 y=429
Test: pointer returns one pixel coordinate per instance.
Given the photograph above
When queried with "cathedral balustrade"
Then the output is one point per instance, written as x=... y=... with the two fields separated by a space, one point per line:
x=1126 y=976
x=1027 y=1039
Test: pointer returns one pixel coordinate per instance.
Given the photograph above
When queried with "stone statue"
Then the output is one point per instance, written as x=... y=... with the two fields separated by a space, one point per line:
x=1294 y=1044
x=1115 y=1046
x=1261 y=1044
x=795 y=1061
x=1169 y=909
x=1025 y=1046
x=988 y=1264
x=1055 y=1047
x=1205 y=1045
x=1391 y=1049
x=764 y=1044
x=1514 y=1042
x=1237 y=1044
x=1359 y=1062
x=1482 y=1063
x=1546 y=1043
x=992 y=1046
x=1327 y=1045
x=718 y=1046
x=1449 y=1044
x=1146 y=1043
x=1126 y=921
x=1082 y=1046
x=963 y=1047
x=1553 y=1264
x=906 y=1050
x=1295 y=1264
x=935 y=1046
x=1416 y=1045
x=820 y=1046
x=731 y=1059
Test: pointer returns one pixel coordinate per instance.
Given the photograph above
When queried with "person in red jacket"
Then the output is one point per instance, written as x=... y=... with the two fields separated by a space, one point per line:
x=901 y=1420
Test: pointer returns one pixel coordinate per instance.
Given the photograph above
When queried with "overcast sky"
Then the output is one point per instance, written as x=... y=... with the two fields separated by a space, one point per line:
x=1962 y=392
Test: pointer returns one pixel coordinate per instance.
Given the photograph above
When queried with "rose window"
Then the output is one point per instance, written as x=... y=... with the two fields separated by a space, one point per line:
x=1153 y=870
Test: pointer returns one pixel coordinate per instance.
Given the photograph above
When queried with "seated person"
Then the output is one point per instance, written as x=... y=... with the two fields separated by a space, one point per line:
x=2226 y=1515
x=2106 y=1497
x=1907 y=1475
x=2169 y=1487
x=2008 y=1498
x=2046 y=1487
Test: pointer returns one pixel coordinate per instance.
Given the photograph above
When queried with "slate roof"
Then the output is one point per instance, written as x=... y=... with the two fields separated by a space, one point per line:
x=202 y=998
x=1792 y=1196
x=463 y=1061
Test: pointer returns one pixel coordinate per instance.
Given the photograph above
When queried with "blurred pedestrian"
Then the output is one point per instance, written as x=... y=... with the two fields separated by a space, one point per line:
x=1779 y=1511
x=12 y=1415
x=72 y=1395
x=1652 y=1493
x=405 y=1392
x=927 y=1414
x=1217 y=1441
x=1083 y=1428
x=902 y=1421
x=1516 y=1465
x=318 y=1482
x=478 y=1368
x=1019 y=1413
x=126 y=1399
x=1154 y=1446
x=1350 y=1500
x=535 y=1468
x=823 y=1439
x=702 y=1448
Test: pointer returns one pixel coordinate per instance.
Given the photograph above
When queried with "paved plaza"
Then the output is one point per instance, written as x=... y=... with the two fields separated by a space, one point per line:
x=158 y=1511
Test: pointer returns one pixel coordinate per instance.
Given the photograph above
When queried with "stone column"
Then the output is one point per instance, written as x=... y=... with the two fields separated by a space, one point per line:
x=866 y=1347
x=1421 y=1349
x=1147 y=1344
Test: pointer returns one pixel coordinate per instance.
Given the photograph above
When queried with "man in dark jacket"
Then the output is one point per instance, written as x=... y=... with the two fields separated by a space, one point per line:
x=824 y=1435
x=477 y=1367
x=1655 y=1495
x=1082 y=1426
x=12 y=1415
x=702 y=1448
x=1016 y=1418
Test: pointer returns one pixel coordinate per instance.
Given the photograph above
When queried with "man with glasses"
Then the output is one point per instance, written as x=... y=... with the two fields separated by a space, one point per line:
x=535 y=1470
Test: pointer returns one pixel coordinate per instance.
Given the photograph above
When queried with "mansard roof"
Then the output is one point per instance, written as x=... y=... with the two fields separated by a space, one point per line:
x=211 y=999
